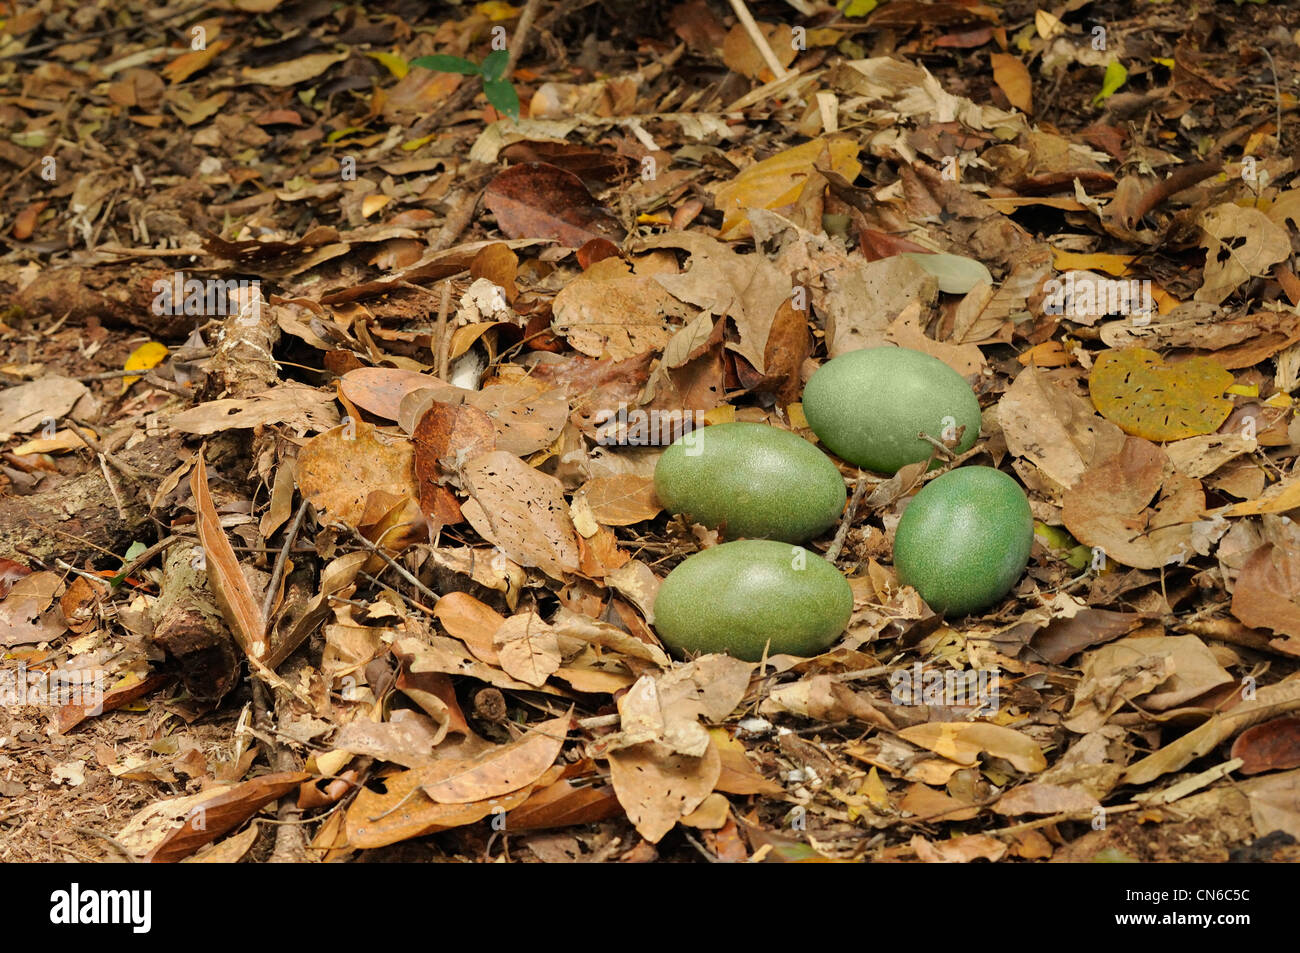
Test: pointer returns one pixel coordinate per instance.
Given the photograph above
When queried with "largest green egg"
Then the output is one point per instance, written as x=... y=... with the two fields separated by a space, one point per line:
x=868 y=406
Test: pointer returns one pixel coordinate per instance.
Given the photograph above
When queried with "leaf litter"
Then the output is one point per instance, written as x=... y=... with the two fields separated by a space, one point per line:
x=390 y=448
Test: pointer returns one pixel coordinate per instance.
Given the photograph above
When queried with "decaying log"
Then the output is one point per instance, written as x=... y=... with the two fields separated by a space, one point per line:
x=188 y=624
x=80 y=519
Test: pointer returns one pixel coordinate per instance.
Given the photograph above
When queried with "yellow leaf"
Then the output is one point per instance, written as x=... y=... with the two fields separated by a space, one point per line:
x=1116 y=76
x=963 y=741
x=1136 y=390
x=147 y=355
x=722 y=414
x=778 y=182
x=412 y=144
x=495 y=10
x=1047 y=24
x=1244 y=390
x=1163 y=61
x=391 y=62
x=373 y=203
x=1116 y=265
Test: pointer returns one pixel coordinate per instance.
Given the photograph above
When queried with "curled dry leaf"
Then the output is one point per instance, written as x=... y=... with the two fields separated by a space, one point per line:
x=963 y=741
x=522 y=512
x=242 y=611
x=170 y=829
x=339 y=469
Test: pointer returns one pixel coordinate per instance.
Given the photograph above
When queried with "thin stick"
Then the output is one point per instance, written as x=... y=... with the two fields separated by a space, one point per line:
x=759 y=40
x=444 y=339
x=433 y=596
x=128 y=471
x=1277 y=93
x=846 y=521
x=519 y=42
x=283 y=557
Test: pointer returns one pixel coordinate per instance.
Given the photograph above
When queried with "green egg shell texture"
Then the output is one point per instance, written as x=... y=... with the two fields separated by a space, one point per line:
x=739 y=597
x=868 y=406
x=752 y=480
x=964 y=539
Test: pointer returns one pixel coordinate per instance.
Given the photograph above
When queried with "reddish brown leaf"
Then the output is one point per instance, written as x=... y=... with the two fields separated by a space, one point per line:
x=1272 y=746
x=538 y=200
x=11 y=572
x=223 y=812
x=446 y=436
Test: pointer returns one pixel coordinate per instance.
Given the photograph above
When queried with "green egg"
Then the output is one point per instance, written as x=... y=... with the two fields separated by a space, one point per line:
x=751 y=480
x=868 y=406
x=739 y=598
x=964 y=540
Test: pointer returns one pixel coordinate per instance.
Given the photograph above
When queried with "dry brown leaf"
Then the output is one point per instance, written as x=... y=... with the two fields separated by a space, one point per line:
x=527 y=648
x=963 y=741
x=1041 y=798
x=1110 y=508
x=1267 y=594
x=777 y=182
x=168 y=830
x=658 y=787
x=521 y=511
x=748 y=290
x=339 y=469
x=472 y=621
x=1241 y=243
x=959 y=850
x=498 y=771
x=610 y=312
x=620 y=500
x=1269 y=702
x=1012 y=77
x=242 y=611
x=1054 y=429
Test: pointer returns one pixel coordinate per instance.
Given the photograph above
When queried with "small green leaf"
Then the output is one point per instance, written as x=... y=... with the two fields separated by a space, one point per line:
x=446 y=64
x=502 y=95
x=1116 y=76
x=134 y=550
x=493 y=66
